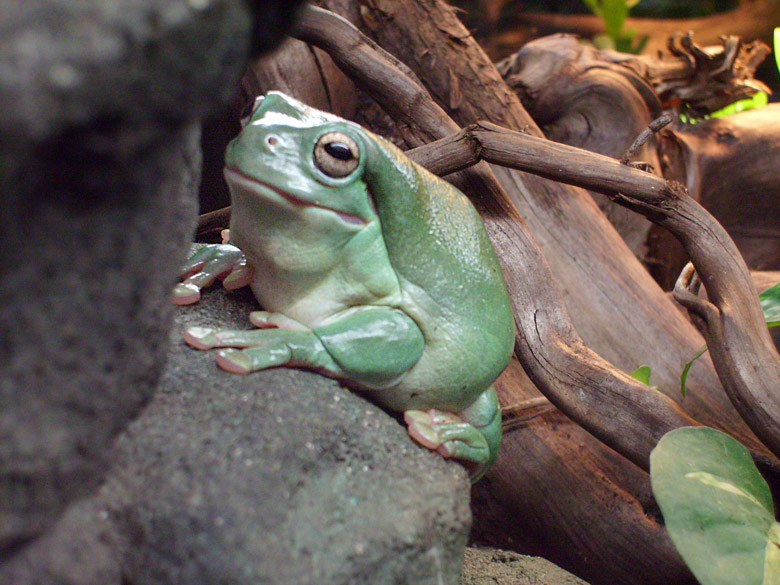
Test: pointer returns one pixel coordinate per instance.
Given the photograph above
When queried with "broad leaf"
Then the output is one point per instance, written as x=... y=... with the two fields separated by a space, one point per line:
x=717 y=507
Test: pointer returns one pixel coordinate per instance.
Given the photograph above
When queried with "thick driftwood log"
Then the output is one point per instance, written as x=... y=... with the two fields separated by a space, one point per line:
x=579 y=98
x=578 y=93
x=427 y=36
x=731 y=320
x=618 y=410
x=589 y=98
x=729 y=165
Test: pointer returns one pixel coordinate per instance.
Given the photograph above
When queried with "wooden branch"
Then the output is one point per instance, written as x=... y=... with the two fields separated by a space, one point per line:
x=622 y=302
x=699 y=79
x=212 y=223
x=627 y=415
x=731 y=320
x=704 y=80
x=355 y=54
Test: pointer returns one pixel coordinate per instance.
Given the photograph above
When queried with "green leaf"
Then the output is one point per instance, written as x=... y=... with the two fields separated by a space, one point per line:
x=603 y=41
x=777 y=47
x=687 y=368
x=770 y=303
x=758 y=100
x=642 y=373
x=594 y=6
x=717 y=507
x=640 y=46
x=614 y=13
x=772 y=566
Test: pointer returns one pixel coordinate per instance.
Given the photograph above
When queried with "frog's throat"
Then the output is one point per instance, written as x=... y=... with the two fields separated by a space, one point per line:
x=235 y=176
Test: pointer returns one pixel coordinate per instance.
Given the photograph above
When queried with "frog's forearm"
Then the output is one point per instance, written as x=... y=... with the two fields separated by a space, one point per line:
x=267 y=348
x=373 y=345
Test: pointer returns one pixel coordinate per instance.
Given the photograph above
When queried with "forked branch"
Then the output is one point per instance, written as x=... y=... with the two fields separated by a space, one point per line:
x=731 y=320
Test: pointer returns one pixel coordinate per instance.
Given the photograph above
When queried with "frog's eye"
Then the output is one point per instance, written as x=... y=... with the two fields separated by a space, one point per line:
x=336 y=154
x=249 y=109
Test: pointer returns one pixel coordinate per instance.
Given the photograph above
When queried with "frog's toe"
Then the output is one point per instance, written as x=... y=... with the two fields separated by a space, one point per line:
x=239 y=277
x=268 y=320
x=253 y=359
x=234 y=361
x=185 y=293
x=424 y=426
x=420 y=428
x=201 y=337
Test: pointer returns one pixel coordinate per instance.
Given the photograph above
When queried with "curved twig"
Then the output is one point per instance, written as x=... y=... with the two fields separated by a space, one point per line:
x=731 y=321
x=654 y=127
x=355 y=54
x=685 y=291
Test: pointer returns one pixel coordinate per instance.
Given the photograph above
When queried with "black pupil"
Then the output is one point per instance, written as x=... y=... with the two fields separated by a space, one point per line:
x=339 y=150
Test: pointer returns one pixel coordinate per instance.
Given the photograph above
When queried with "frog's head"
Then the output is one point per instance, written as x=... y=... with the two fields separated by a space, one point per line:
x=292 y=156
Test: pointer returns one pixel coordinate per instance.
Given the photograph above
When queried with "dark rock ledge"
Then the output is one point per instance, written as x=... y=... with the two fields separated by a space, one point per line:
x=281 y=477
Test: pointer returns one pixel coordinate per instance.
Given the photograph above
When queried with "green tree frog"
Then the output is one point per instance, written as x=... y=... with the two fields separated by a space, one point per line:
x=369 y=269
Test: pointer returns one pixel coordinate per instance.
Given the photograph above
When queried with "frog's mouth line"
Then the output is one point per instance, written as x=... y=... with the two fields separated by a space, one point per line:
x=234 y=175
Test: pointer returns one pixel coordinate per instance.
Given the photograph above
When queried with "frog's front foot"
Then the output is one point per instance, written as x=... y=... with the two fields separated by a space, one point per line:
x=211 y=262
x=281 y=342
x=471 y=436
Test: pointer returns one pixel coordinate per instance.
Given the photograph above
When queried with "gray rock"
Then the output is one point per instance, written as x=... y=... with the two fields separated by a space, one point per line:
x=483 y=566
x=281 y=476
x=85 y=274
x=72 y=63
x=100 y=165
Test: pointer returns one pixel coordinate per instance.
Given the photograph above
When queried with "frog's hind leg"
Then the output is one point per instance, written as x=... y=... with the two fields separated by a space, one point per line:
x=472 y=435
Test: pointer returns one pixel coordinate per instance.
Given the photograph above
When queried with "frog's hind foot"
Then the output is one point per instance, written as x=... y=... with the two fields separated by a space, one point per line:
x=461 y=436
x=449 y=436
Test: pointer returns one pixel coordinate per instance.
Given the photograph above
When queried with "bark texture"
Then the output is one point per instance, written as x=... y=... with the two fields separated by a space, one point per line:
x=428 y=37
x=586 y=386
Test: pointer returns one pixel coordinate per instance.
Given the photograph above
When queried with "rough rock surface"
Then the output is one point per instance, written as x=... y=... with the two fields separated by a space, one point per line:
x=483 y=566
x=281 y=477
x=99 y=129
